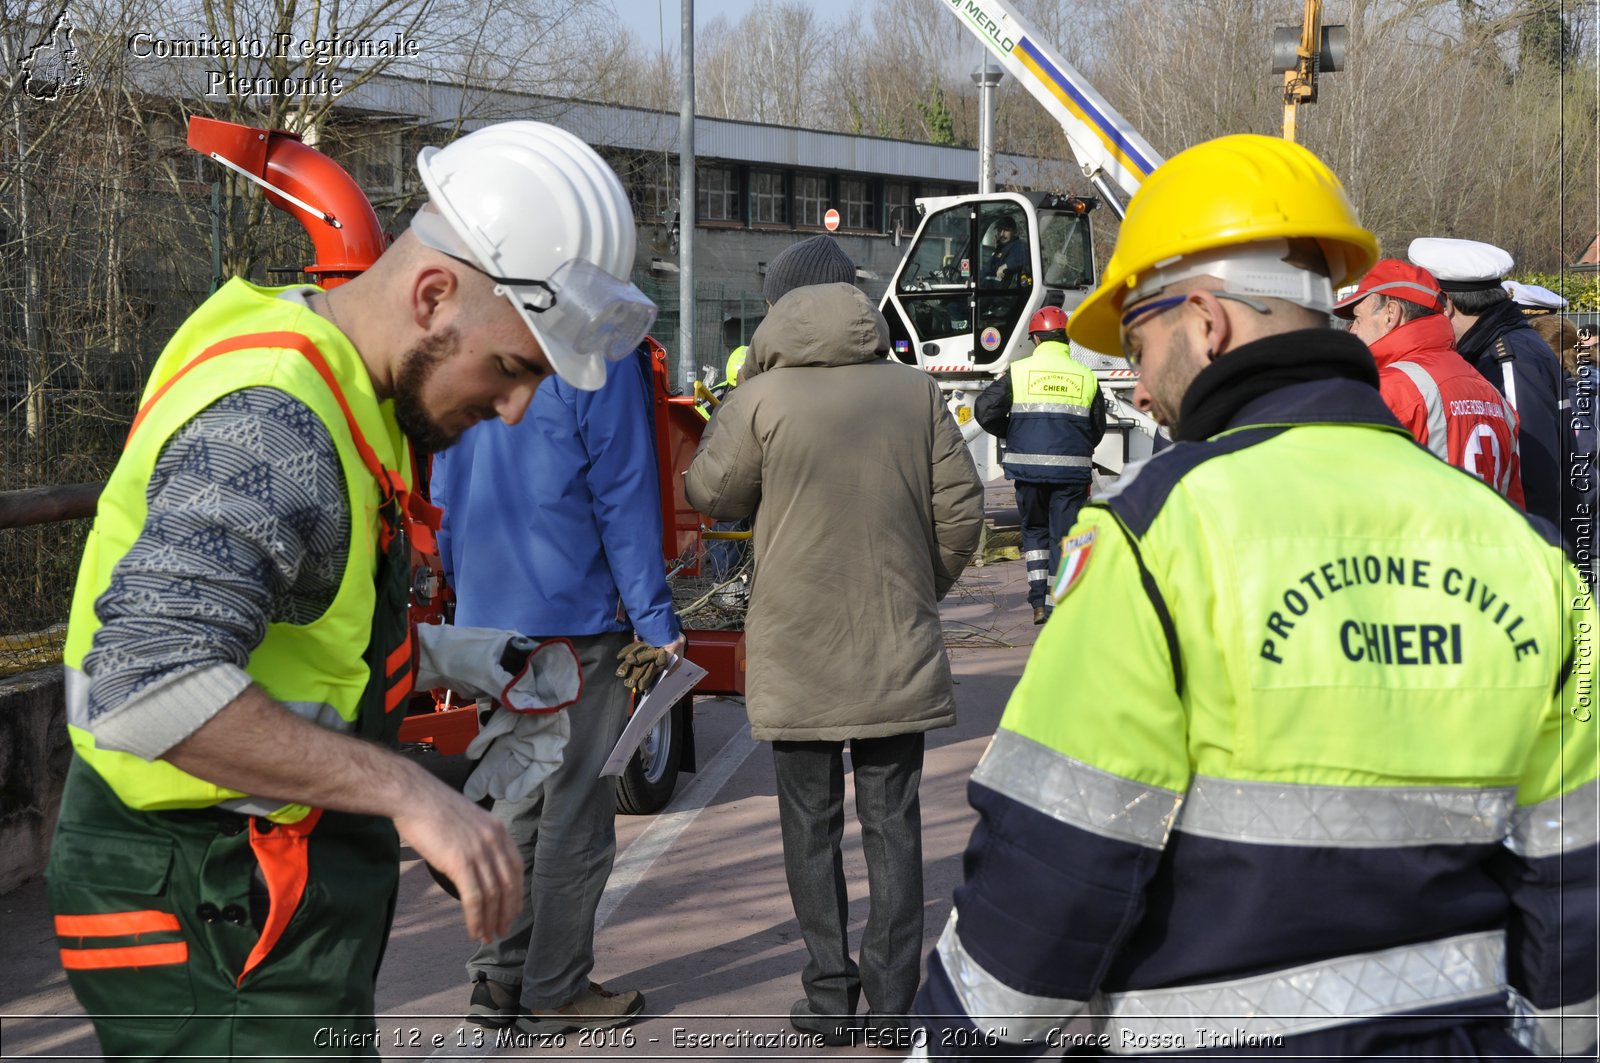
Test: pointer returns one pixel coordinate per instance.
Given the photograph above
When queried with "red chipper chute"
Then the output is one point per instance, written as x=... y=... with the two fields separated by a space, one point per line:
x=317 y=191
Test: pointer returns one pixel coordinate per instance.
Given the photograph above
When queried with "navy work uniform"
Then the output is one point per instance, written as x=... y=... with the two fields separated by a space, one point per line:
x=1049 y=410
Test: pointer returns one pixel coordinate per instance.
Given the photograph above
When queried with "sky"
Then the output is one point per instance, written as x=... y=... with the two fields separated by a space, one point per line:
x=657 y=21
x=645 y=16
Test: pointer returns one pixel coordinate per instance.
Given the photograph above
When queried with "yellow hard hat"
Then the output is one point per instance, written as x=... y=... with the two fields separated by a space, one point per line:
x=1233 y=190
x=736 y=363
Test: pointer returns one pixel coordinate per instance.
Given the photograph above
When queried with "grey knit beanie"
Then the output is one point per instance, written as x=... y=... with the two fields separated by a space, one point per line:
x=819 y=260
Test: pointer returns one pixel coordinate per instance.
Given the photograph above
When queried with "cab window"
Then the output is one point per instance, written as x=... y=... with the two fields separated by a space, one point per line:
x=935 y=284
x=1006 y=281
x=940 y=258
x=1066 y=250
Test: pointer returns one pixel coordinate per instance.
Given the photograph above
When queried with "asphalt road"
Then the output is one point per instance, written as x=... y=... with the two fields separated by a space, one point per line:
x=696 y=916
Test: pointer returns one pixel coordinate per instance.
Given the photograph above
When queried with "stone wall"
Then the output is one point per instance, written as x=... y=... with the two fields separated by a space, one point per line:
x=34 y=753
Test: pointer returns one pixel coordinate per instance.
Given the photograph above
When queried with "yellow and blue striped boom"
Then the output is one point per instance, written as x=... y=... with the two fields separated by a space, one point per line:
x=1102 y=141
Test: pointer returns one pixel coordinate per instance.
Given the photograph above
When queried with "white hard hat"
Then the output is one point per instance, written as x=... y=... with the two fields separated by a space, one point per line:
x=540 y=213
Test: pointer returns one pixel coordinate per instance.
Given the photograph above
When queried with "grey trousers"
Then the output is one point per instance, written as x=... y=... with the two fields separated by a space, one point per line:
x=888 y=773
x=566 y=832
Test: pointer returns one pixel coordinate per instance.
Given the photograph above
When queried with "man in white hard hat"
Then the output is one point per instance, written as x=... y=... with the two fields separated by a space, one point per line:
x=239 y=654
x=1301 y=796
x=1492 y=335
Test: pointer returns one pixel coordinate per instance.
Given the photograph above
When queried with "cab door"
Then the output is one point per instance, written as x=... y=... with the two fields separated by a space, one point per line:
x=962 y=292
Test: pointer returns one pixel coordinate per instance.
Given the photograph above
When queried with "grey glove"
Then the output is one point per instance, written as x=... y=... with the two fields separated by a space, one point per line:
x=468 y=659
x=516 y=752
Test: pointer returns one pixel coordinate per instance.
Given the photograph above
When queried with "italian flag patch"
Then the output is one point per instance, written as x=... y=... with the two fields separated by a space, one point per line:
x=1074 y=559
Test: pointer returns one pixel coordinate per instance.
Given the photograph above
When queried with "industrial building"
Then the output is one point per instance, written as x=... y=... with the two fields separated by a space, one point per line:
x=758 y=188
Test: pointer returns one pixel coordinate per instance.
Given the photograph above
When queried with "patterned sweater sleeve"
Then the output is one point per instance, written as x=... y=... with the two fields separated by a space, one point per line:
x=248 y=523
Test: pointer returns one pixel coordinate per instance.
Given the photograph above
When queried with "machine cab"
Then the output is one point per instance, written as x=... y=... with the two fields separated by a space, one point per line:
x=976 y=270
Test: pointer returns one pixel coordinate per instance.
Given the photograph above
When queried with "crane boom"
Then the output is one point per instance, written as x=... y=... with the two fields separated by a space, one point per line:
x=1101 y=140
x=956 y=310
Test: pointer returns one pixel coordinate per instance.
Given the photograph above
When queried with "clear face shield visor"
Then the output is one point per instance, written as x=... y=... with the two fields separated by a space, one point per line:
x=583 y=309
x=579 y=313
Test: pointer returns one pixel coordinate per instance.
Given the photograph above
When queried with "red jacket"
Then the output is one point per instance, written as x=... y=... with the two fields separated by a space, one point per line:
x=1448 y=405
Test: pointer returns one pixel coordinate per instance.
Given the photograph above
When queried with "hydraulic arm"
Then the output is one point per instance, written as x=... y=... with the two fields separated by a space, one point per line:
x=1110 y=151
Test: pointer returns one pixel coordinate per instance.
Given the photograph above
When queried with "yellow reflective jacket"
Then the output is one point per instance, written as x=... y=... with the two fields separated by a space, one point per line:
x=247 y=336
x=1313 y=708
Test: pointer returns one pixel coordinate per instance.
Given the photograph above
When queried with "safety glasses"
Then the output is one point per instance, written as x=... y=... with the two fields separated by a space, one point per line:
x=1159 y=306
x=585 y=309
x=579 y=310
x=1144 y=313
x=580 y=306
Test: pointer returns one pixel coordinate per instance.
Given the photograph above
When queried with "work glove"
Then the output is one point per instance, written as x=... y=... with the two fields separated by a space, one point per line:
x=642 y=663
x=516 y=752
x=519 y=673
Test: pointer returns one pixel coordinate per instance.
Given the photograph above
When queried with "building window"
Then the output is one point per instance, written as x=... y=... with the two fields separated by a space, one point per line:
x=810 y=198
x=665 y=182
x=651 y=181
x=855 y=203
x=717 y=193
x=372 y=156
x=769 y=198
x=898 y=197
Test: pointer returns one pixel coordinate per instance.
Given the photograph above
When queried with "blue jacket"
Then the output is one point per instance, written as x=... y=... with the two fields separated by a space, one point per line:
x=1013 y=256
x=552 y=522
x=1542 y=439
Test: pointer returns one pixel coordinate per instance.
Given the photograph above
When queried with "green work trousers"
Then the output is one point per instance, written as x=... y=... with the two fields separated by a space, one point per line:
x=158 y=913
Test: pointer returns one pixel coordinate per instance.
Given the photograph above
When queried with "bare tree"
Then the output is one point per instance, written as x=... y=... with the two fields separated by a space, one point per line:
x=628 y=71
x=766 y=67
x=107 y=220
x=1439 y=127
x=897 y=76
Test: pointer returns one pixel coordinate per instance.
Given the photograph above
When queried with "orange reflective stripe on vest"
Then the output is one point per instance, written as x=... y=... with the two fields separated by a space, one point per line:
x=226 y=347
x=397 y=674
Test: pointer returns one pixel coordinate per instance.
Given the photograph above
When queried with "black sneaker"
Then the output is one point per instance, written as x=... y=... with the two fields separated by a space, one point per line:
x=494 y=1004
